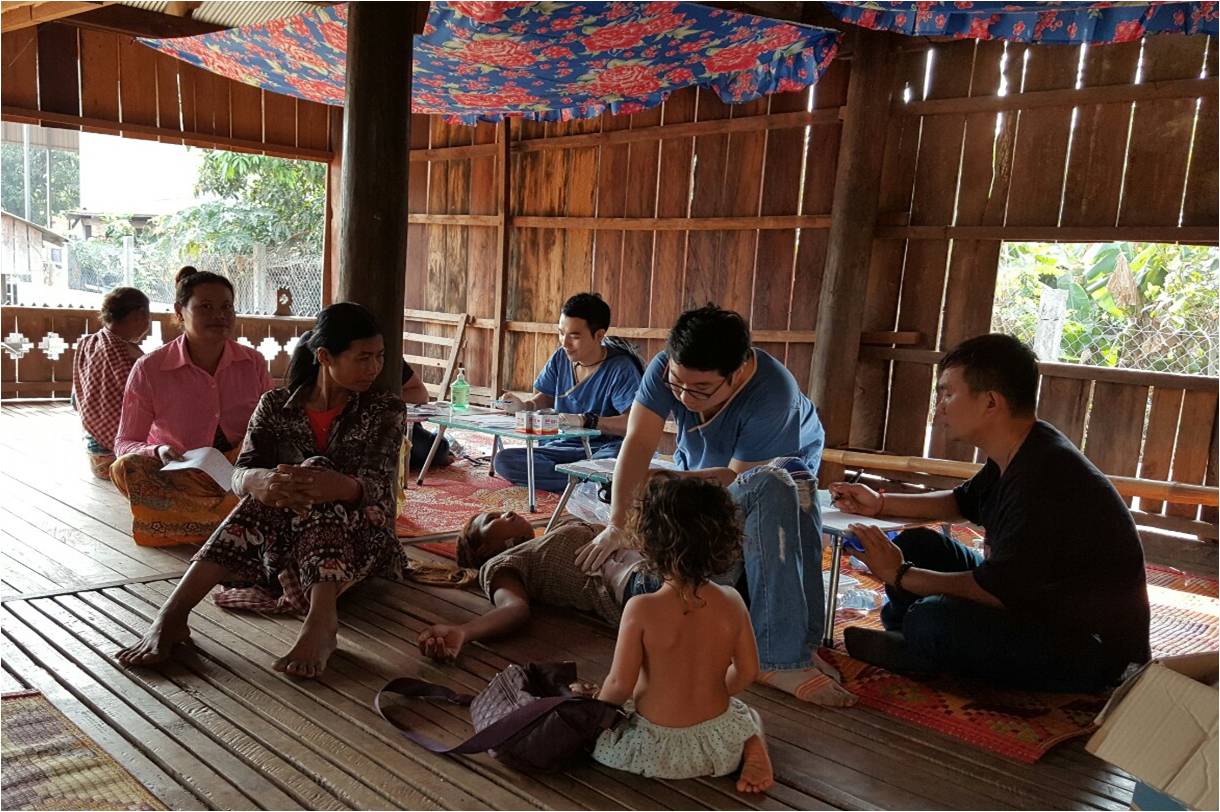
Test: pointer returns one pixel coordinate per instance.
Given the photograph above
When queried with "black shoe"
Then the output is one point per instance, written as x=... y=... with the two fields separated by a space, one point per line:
x=885 y=649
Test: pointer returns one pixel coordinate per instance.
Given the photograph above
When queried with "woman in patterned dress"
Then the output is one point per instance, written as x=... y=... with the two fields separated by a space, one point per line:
x=317 y=476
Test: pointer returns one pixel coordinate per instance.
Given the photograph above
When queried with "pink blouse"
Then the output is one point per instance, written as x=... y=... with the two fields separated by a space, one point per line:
x=171 y=401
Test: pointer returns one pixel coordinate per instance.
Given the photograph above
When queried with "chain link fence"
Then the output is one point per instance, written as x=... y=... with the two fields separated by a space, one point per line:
x=1129 y=344
x=96 y=266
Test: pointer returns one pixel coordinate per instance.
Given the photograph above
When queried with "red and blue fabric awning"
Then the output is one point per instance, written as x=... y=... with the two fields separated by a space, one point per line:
x=1047 y=23
x=542 y=61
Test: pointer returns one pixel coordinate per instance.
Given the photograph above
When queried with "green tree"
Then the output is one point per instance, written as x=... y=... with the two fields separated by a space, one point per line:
x=275 y=202
x=65 y=182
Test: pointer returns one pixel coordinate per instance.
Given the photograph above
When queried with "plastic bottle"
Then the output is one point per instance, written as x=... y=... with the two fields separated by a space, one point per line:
x=865 y=599
x=459 y=391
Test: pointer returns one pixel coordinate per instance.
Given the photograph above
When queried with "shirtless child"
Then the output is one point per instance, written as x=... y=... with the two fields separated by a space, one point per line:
x=684 y=651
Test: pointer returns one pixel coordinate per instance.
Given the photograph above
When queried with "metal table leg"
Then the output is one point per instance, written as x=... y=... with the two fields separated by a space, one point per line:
x=563 y=501
x=529 y=473
x=495 y=446
x=588 y=448
x=436 y=444
x=832 y=597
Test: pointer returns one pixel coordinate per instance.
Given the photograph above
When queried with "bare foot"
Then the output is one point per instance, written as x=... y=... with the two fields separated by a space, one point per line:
x=756 y=772
x=308 y=657
x=157 y=644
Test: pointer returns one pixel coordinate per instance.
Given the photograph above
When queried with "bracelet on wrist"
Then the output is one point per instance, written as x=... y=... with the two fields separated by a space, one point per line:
x=591 y=420
x=899 y=573
x=881 y=504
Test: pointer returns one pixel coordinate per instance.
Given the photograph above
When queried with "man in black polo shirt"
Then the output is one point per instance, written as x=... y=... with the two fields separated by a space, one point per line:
x=1059 y=601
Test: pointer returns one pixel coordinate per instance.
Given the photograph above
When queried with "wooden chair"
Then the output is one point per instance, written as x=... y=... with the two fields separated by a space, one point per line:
x=454 y=343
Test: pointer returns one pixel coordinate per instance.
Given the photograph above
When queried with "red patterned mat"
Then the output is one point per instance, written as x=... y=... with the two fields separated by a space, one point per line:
x=1024 y=725
x=450 y=496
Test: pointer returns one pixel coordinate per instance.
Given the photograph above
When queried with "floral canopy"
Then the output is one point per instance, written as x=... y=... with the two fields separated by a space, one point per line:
x=543 y=61
x=1033 y=22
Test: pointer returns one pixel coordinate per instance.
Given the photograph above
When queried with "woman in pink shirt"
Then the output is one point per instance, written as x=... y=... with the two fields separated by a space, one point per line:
x=197 y=391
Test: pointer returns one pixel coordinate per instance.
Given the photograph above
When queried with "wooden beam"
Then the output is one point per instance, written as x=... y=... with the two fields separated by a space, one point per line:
x=503 y=245
x=758 y=336
x=484 y=220
x=29 y=14
x=1127 y=486
x=777 y=121
x=137 y=22
x=1072 y=97
x=675 y=223
x=1083 y=372
x=832 y=374
x=11 y=113
x=1193 y=235
x=376 y=143
x=334 y=187
x=456 y=153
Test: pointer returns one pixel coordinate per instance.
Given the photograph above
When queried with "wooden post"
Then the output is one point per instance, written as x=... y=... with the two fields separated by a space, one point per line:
x=334 y=184
x=832 y=374
x=373 y=199
x=505 y=167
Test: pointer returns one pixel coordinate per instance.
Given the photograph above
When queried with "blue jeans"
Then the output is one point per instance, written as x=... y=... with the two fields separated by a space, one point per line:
x=968 y=638
x=510 y=462
x=782 y=558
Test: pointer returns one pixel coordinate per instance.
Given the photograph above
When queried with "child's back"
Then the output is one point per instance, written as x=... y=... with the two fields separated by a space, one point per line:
x=685 y=650
x=688 y=645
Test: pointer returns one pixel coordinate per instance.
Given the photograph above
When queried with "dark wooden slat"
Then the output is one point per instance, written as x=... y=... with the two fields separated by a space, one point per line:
x=1064 y=403
x=58 y=89
x=1190 y=454
x=19 y=74
x=1159 y=439
x=1112 y=439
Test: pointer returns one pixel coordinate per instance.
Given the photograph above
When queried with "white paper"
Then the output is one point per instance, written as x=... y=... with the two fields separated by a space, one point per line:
x=208 y=460
x=606 y=466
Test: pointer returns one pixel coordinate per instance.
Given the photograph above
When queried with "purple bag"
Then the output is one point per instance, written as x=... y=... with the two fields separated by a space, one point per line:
x=526 y=717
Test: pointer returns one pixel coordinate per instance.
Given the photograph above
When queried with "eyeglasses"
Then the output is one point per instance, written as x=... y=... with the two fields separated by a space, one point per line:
x=693 y=393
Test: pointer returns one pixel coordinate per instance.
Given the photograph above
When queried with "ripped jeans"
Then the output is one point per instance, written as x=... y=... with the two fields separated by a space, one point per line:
x=781 y=559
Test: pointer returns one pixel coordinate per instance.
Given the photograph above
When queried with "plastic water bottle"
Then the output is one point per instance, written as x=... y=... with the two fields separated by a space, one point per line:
x=865 y=599
x=459 y=391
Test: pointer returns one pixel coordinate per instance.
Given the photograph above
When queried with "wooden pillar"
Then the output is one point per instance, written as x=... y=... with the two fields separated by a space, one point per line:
x=334 y=185
x=853 y=220
x=373 y=198
x=504 y=168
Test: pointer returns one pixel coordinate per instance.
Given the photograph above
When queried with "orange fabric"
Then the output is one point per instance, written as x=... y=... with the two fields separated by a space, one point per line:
x=320 y=423
x=174 y=507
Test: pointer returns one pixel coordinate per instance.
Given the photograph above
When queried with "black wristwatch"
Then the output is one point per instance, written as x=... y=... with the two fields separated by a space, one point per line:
x=901 y=571
x=591 y=419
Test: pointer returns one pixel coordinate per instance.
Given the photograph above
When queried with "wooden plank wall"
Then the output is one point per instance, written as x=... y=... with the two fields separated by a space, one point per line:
x=564 y=171
x=58 y=75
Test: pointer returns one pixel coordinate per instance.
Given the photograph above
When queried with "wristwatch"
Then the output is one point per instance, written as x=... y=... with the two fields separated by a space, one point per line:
x=901 y=571
x=591 y=419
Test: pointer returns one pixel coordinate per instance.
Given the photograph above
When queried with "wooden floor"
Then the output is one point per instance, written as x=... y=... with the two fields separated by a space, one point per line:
x=219 y=729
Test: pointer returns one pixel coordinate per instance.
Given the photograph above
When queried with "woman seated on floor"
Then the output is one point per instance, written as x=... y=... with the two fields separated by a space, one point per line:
x=100 y=368
x=317 y=477
x=198 y=390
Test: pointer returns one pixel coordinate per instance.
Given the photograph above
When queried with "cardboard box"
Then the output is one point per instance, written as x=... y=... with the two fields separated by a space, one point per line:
x=1160 y=726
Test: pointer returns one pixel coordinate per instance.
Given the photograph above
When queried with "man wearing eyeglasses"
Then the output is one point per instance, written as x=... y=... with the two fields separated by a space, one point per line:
x=742 y=420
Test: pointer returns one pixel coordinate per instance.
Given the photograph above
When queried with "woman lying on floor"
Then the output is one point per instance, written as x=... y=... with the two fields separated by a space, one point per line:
x=317 y=478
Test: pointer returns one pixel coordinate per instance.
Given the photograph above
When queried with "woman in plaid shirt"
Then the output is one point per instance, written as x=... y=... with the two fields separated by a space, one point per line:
x=100 y=368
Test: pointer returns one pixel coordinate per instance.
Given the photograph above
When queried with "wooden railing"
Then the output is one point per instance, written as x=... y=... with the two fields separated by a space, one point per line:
x=39 y=345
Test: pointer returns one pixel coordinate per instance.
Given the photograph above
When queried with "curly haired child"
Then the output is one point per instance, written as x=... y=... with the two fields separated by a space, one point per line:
x=686 y=649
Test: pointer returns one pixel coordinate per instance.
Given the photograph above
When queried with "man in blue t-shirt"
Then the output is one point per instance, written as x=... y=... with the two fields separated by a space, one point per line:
x=742 y=420
x=590 y=380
